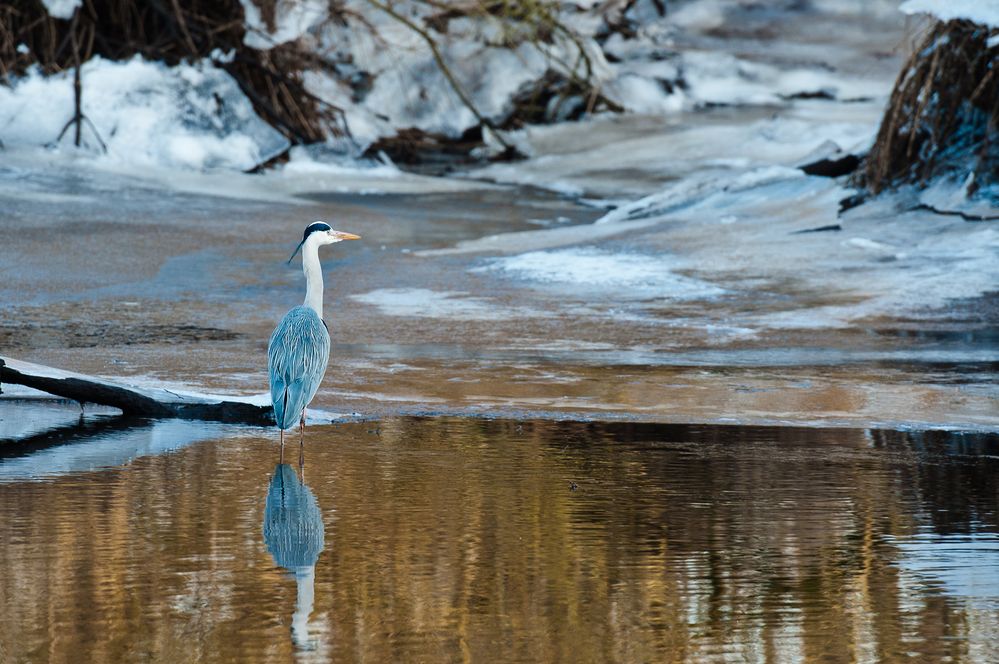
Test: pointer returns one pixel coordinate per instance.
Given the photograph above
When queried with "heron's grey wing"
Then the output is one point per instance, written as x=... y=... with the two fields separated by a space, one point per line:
x=297 y=356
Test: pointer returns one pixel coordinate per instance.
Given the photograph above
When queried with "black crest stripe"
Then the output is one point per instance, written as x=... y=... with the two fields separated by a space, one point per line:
x=315 y=227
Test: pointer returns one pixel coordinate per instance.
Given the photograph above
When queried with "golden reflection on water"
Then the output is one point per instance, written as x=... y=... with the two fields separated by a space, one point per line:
x=438 y=540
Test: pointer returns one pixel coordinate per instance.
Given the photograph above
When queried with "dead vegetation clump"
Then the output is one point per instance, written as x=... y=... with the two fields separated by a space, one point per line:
x=556 y=97
x=172 y=31
x=431 y=153
x=943 y=115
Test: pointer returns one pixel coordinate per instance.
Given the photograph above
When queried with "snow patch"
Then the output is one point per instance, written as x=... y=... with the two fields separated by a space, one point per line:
x=292 y=18
x=640 y=94
x=415 y=93
x=722 y=78
x=190 y=116
x=985 y=12
x=63 y=9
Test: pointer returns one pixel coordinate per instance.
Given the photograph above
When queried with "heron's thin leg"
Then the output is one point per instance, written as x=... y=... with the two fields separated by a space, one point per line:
x=282 y=445
x=301 y=445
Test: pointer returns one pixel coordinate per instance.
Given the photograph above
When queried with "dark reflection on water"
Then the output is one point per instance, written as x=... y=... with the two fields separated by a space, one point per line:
x=295 y=536
x=465 y=540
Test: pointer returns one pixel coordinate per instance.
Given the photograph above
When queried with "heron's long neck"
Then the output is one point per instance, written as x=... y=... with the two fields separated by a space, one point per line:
x=313 y=278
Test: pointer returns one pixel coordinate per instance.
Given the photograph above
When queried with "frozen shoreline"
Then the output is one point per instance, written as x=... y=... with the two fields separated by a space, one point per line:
x=45 y=410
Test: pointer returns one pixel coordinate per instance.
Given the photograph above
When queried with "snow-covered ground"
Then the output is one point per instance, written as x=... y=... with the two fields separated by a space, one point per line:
x=143 y=114
x=386 y=78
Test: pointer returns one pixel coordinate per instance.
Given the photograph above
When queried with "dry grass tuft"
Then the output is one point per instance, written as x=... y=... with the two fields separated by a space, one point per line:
x=943 y=114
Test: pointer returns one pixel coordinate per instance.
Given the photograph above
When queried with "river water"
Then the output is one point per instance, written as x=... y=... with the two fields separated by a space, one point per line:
x=462 y=539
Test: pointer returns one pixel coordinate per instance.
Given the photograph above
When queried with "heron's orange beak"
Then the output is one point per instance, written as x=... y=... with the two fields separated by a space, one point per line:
x=347 y=236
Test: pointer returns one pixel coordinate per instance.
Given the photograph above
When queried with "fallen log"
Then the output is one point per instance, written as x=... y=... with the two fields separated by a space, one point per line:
x=138 y=401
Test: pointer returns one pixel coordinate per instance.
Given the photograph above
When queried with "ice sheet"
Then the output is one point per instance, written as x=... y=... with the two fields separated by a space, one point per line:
x=628 y=275
x=455 y=305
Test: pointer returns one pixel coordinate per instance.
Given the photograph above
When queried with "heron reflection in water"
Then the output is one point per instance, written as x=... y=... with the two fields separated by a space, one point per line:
x=294 y=536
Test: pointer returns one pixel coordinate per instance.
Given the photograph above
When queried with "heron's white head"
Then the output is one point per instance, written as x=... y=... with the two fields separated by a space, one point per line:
x=320 y=233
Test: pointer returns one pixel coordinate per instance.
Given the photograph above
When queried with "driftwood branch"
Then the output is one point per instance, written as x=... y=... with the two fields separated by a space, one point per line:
x=131 y=400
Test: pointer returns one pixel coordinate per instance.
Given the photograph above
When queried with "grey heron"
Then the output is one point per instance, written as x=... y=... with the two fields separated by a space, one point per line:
x=299 y=349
